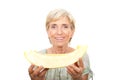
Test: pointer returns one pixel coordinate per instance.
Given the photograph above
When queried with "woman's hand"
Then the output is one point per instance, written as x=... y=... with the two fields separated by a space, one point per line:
x=37 y=73
x=75 y=70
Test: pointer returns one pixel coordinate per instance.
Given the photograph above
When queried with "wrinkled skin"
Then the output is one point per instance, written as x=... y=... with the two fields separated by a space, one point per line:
x=76 y=69
x=37 y=73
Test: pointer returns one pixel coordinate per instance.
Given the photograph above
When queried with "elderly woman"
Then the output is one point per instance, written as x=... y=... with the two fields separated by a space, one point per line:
x=60 y=28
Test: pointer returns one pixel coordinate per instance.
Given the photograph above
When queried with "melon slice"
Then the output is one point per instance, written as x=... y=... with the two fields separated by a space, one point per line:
x=55 y=60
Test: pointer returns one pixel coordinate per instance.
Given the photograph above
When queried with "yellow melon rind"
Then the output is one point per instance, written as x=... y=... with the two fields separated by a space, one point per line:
x=55 y=60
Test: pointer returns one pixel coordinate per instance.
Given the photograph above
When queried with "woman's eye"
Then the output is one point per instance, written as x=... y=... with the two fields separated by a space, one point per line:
x=65 y=26
x=53 y=26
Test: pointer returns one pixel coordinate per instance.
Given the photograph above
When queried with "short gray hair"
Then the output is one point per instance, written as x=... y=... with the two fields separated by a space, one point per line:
x=58 y=13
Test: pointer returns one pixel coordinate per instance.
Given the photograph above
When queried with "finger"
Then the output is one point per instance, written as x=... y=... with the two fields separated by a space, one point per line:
x=72 y=69
x=38 y=70
x=80 y=63
x=76 y=69
x=43 y=72
x=30 y=69
x=69 y=70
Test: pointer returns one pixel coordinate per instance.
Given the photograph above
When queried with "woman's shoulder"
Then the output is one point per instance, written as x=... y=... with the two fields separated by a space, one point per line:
x=85 y=57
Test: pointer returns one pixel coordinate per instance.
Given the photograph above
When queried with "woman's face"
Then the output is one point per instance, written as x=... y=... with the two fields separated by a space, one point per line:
x=60 y=32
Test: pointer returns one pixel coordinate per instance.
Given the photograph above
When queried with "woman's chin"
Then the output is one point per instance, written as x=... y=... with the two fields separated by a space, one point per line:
x=59 y=44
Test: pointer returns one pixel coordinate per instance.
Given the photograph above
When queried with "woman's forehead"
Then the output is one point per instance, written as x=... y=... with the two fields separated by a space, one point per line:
x=60 y=18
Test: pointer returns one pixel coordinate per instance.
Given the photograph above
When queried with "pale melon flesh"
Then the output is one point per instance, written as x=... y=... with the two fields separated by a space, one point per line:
x=55 y=60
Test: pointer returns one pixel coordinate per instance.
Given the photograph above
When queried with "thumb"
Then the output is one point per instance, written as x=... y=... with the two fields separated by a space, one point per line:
x=80 y=63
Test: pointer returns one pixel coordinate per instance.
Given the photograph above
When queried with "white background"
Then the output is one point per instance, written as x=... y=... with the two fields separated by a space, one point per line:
x=22 y=27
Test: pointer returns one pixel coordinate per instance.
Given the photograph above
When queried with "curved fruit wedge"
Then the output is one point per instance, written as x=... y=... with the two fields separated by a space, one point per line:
x=55 y=60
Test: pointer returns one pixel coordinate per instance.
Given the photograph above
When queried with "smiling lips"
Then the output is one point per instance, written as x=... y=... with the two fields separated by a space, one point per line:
x=59 y=38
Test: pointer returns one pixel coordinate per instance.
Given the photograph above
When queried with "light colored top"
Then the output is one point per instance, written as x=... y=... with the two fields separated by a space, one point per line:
x=61 y=73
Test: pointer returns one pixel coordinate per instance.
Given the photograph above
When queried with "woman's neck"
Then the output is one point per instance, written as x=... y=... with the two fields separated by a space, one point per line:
x=60 y=49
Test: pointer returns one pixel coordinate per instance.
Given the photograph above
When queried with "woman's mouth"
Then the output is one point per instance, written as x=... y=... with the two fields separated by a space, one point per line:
x=59 y=38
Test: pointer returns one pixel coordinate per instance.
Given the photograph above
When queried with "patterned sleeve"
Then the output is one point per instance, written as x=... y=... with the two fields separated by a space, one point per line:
x=87 y=69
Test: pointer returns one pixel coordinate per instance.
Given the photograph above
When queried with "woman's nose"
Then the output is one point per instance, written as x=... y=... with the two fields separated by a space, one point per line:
x=59 y=31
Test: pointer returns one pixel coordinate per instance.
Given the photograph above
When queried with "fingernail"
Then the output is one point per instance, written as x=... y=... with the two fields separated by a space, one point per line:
x=35 y=67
